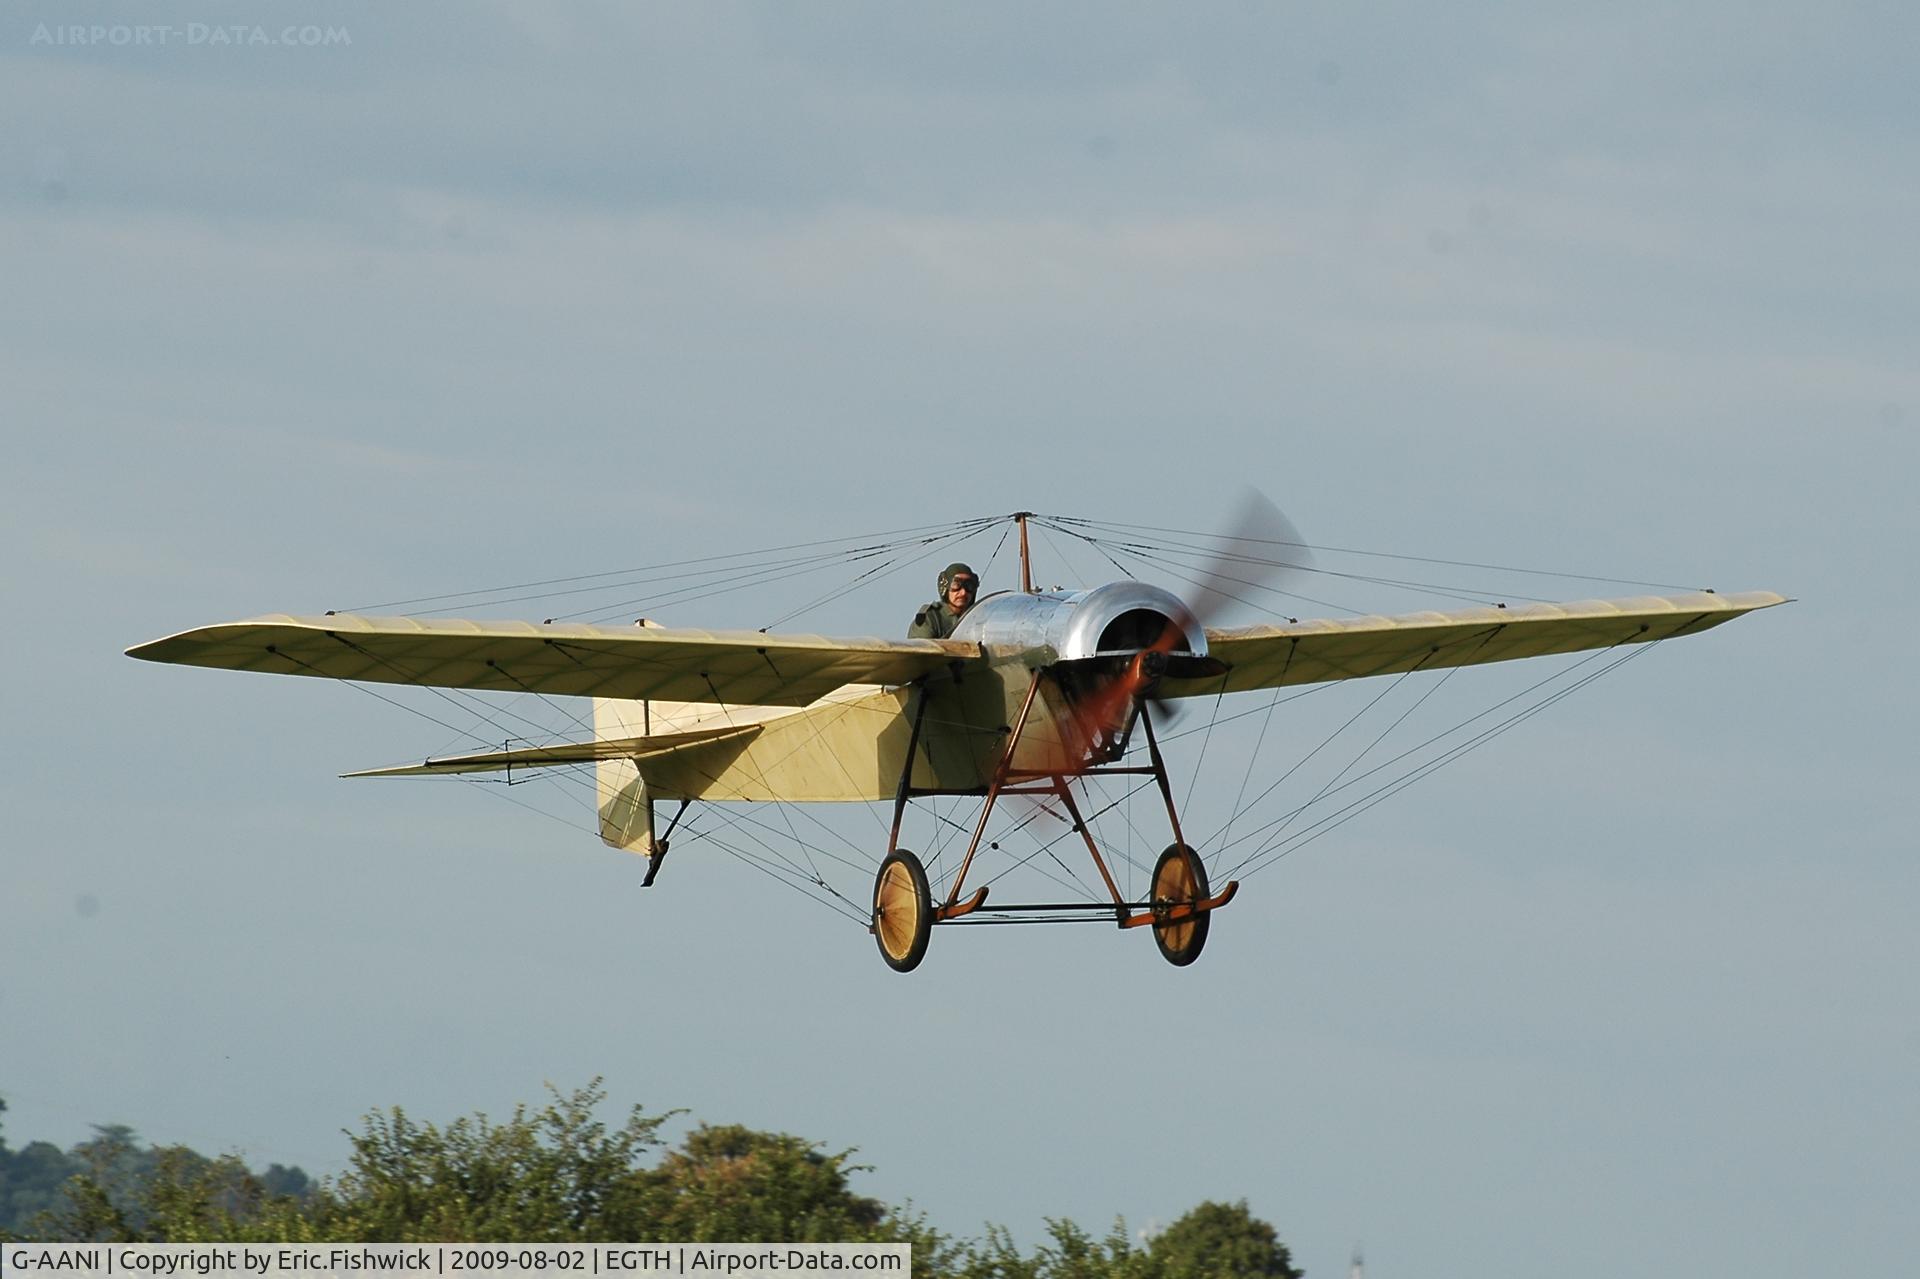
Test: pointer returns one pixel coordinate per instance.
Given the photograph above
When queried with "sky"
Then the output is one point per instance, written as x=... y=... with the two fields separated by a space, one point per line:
x=450 y=299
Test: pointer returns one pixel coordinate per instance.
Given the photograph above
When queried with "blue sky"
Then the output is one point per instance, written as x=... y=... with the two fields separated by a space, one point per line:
x=501 y=294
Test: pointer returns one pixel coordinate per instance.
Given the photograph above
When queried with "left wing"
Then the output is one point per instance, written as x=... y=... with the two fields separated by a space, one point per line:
x=1277 y=656
x=737 y=668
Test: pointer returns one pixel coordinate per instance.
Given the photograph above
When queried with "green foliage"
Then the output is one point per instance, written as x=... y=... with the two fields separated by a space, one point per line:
x=559 y=1174
x=1222 y=1241
x=282 y=1182
x=31 y=1181
x=112 y=1187
x=1213 y=1241
x=552 y=1175
x=730 y=1183
x=1069 y=1252
x=167 y=1195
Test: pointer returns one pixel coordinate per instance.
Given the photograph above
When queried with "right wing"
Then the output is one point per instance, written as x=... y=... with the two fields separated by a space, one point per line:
x=1314 y=652
x=737 y=668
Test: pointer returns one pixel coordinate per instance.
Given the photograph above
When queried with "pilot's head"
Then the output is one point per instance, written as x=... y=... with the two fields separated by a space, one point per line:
x=958 y=585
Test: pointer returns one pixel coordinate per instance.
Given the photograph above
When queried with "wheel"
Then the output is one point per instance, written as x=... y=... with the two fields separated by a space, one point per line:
x=902 y=911
x=1178 y=878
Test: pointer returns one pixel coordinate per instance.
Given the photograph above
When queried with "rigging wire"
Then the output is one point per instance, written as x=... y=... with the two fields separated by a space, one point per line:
x=938 y=546
x=773 y=851
x=1005 y=530
x=1332 y=783
x=703 y=559
x=806 y=888
x=1340 y=818
x=1218 y=554
x=1071 y=830
x=1415 y=559
x=1563 y=673
x=701 y=580
x=751 y=576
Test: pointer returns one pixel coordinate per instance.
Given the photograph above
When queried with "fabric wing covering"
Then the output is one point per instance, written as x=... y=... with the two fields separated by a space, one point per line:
x=730 y=667
x=1313 y=652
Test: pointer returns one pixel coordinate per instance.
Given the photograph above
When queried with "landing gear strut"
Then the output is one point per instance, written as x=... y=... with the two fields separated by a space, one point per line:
x=1177 y=909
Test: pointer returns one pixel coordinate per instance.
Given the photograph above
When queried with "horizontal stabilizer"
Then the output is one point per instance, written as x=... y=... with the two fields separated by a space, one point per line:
x=564 y=753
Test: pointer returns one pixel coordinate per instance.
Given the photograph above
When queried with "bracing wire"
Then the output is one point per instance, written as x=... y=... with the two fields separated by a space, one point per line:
x=1333 y=821
x=486 y=593
x=1389 y=555
x=809 y=854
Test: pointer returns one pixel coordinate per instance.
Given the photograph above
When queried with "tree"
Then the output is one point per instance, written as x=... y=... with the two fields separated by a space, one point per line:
x=1069 y=1252
x=732 y=1183
x=559 y=1174
x=30 y=1180
x=555 y=1174
x=100 y=1200
x=281 y=1181
x=114 y=1187
x=168 y=1194
x=1222 y=1241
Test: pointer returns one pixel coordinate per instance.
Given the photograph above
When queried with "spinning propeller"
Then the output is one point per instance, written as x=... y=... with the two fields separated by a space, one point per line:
x=1259 y=550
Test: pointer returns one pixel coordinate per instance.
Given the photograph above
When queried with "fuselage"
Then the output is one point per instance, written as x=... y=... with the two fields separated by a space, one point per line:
x=853 y=744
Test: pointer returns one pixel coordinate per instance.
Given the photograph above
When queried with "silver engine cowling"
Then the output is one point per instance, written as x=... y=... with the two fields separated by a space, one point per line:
x=1095 y=656
x=1115 y=621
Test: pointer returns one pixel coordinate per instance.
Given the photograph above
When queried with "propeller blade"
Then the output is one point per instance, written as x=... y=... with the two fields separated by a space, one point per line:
x=1259 y=551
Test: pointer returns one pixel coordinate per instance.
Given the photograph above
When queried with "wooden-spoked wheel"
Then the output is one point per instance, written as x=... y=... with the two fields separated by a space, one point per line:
x=902 y=911
x=1179 y=879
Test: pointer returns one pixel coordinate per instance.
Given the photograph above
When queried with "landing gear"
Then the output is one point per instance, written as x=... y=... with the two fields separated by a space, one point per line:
x=902 y=911
x=1177 y=908
x=1179 y=884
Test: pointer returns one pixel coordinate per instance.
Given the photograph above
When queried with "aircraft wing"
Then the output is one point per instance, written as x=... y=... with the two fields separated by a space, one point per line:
x=1314 y=652
x=738 y=668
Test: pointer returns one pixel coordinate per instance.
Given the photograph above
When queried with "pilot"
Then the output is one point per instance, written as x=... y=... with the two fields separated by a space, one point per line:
x=958 y=587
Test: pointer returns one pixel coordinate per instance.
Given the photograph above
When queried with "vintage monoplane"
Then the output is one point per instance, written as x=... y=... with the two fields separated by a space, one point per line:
x=1035 y=691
